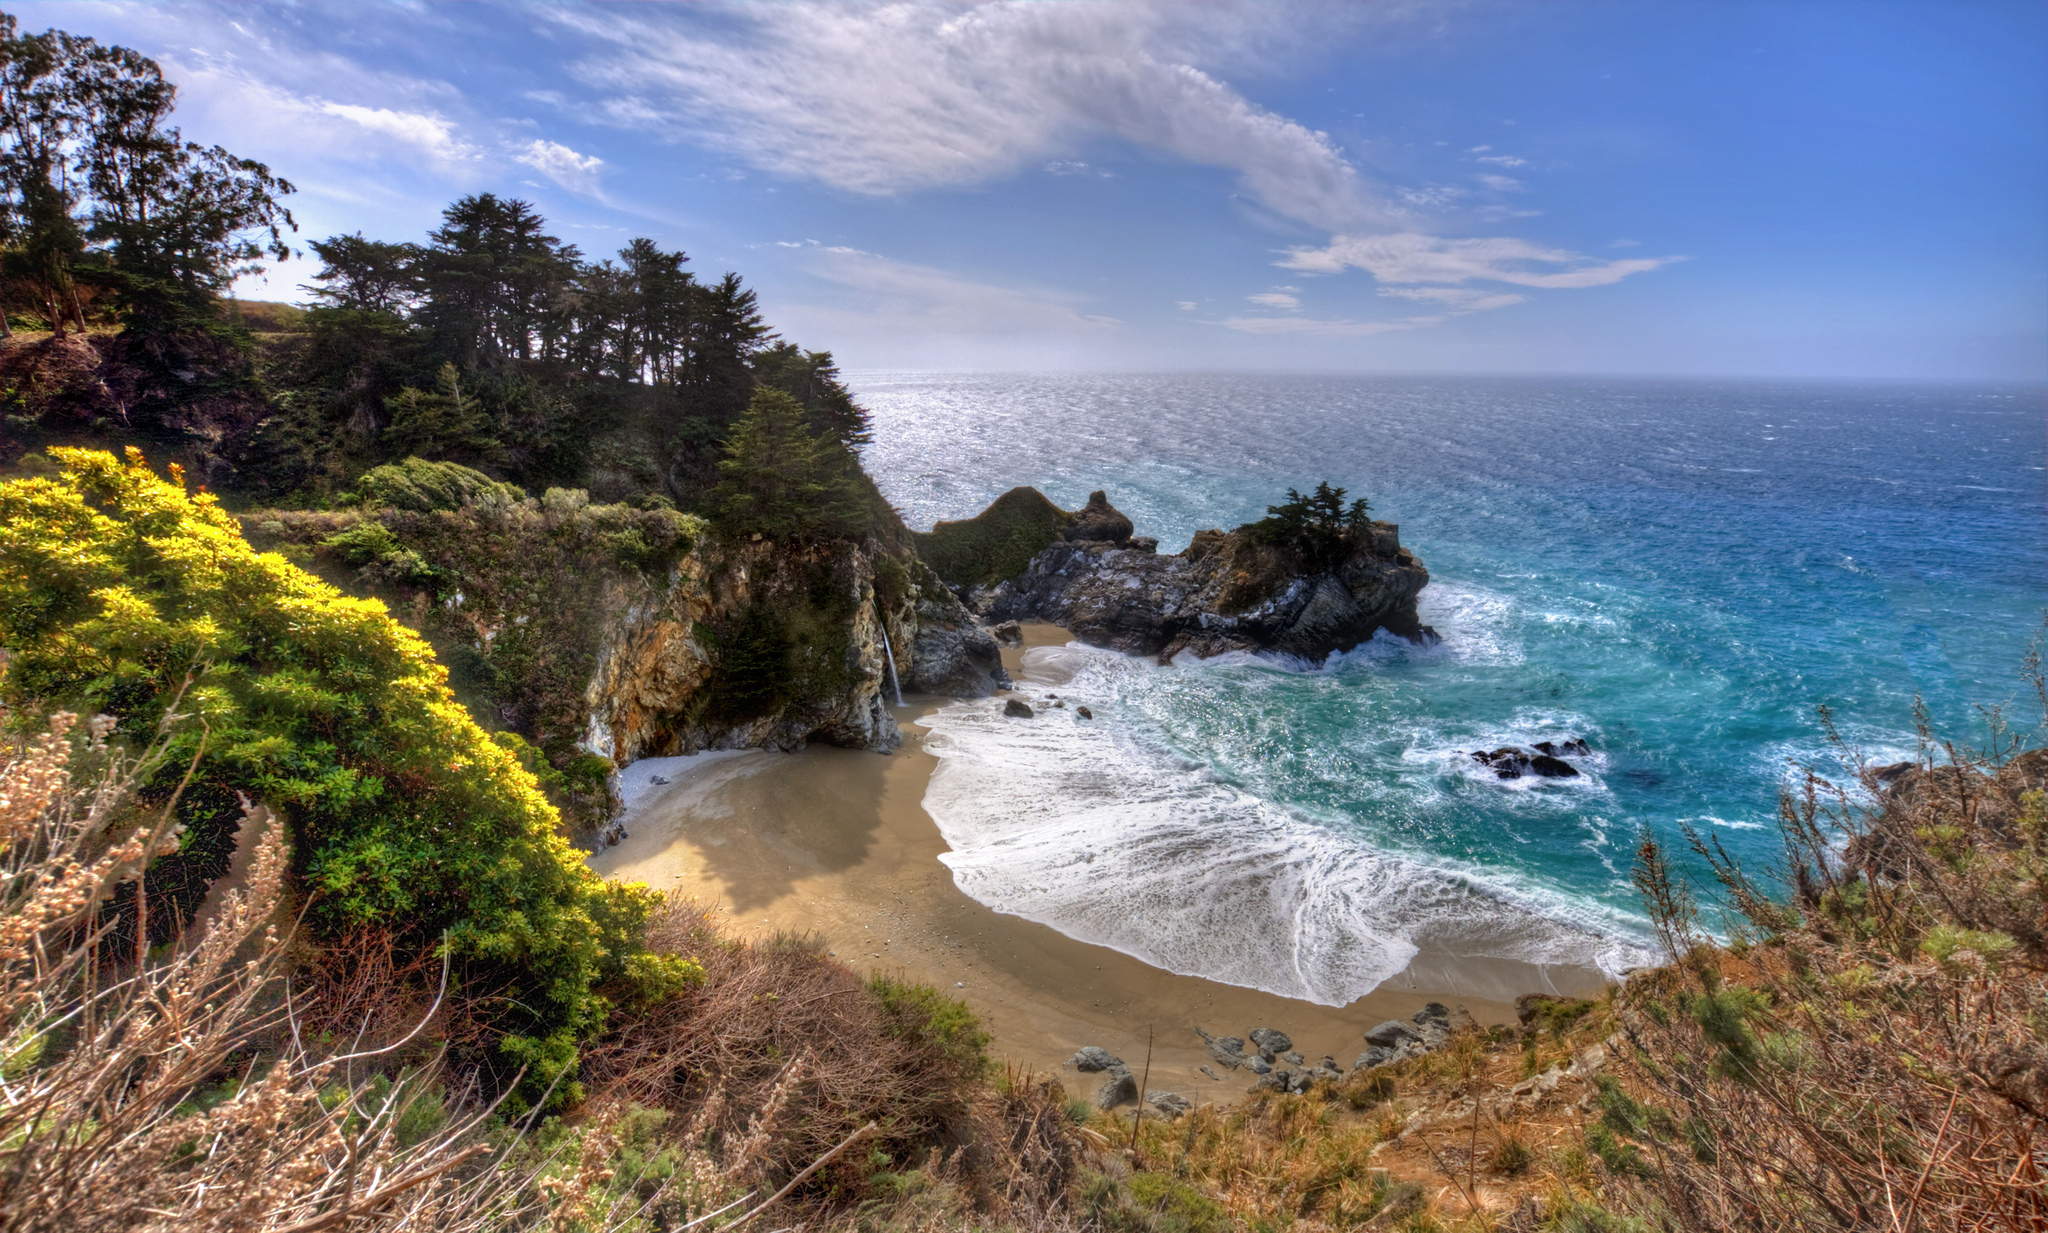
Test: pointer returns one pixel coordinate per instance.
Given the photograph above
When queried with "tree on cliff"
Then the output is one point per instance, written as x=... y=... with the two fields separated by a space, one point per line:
x=785 y=481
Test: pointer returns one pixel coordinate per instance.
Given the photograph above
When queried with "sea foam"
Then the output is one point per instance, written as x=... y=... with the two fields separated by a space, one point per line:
x=1089 y=827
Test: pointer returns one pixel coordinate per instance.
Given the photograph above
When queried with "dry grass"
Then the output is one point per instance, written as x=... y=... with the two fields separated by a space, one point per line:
x=1870 y=1054
x=781 y=1052
x=186 y=1088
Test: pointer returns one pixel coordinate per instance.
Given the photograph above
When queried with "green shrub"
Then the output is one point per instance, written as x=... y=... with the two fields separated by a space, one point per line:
x=1176 y=1207
x=945 y=1025
x=421 y=486
x=116 y=587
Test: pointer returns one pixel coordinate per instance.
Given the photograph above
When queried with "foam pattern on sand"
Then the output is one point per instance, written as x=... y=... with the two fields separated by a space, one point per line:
x=1097 y=829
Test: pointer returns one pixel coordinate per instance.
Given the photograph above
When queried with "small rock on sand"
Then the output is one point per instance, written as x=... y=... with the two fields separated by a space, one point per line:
x=1172 y=1104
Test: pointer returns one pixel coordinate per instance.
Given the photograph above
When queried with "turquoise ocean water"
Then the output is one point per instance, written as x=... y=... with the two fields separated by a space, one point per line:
x=1680 y=572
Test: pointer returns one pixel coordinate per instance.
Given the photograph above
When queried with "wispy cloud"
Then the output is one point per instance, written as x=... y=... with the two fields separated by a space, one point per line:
x=1410 y=257
x=1275 y=299
x=1318 y=328
x=891 y=312
x=947 y=303
x=1463 y=299
x=881 y=99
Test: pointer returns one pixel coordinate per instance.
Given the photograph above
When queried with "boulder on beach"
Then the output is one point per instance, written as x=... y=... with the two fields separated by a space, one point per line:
x=1172 y=1104
x=1270 y=1041
x=1228 y=1050
x=1393 y=1034
x=1008 y=633
x=1293 y=1059
x=1434 y=1022
x=1284 y=1081
x=1016 y=708
x=1119 y=1089
x=1095 y=1057
x=1084 y=712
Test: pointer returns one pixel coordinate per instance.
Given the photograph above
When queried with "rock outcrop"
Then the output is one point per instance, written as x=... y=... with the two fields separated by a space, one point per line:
x=754 y=644
x=1228 y=591
x=951 y=654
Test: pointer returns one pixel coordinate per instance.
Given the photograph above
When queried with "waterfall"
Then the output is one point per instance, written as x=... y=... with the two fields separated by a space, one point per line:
x=890 y=655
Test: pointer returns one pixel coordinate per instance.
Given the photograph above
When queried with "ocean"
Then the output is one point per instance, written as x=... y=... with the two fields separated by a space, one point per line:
x=1680 y=572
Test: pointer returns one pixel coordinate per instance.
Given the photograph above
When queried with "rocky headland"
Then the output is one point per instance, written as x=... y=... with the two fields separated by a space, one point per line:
x=1241 y=590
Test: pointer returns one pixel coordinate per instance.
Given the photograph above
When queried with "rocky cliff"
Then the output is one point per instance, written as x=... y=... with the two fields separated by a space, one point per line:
x=768 y=645
x=1227 y=591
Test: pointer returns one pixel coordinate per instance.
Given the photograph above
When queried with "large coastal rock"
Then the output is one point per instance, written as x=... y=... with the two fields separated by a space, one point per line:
x=751 y=645
x=951 y=654
x=1228 y=591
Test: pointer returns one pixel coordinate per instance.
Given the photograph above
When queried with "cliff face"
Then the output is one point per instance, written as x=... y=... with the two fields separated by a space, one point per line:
x=768 y=645
x=1227 y=591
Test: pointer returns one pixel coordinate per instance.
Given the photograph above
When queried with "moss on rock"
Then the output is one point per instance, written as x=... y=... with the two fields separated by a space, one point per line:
x=995 y=544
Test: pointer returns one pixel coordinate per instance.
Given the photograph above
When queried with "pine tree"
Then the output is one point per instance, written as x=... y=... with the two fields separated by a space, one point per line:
x=784 y=481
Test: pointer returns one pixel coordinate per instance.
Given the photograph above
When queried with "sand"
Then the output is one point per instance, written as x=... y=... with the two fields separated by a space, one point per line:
x=836 y=843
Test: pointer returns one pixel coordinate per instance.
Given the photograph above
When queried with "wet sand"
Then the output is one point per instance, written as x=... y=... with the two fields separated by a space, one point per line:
x=836 y=843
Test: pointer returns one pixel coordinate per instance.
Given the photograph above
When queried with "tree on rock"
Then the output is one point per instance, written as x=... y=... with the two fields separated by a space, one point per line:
x=1318 y=525
x=784 y=481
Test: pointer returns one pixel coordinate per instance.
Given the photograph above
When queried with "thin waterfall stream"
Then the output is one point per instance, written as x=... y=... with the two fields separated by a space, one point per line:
x=890 y=655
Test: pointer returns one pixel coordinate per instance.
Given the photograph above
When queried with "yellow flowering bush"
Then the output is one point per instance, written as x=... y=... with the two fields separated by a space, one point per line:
x=116 y=587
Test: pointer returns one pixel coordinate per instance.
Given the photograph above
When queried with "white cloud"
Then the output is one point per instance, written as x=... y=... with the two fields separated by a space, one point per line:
x=1275 y=299
x=1186 y=306
x=429 y=133
x=1502 y=160
x=1409 y=257
x=1624 y=244
x=1499 y=183
x=573 y=171
x=885 y=98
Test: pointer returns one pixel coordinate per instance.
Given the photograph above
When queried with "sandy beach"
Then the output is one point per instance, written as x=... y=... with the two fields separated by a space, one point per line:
x=836 y=843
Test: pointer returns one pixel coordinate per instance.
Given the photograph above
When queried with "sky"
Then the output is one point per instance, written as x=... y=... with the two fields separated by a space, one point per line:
x=1666 y=187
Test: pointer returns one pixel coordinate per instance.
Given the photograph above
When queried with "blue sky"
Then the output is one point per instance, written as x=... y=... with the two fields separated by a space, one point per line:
x=1648 y=186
